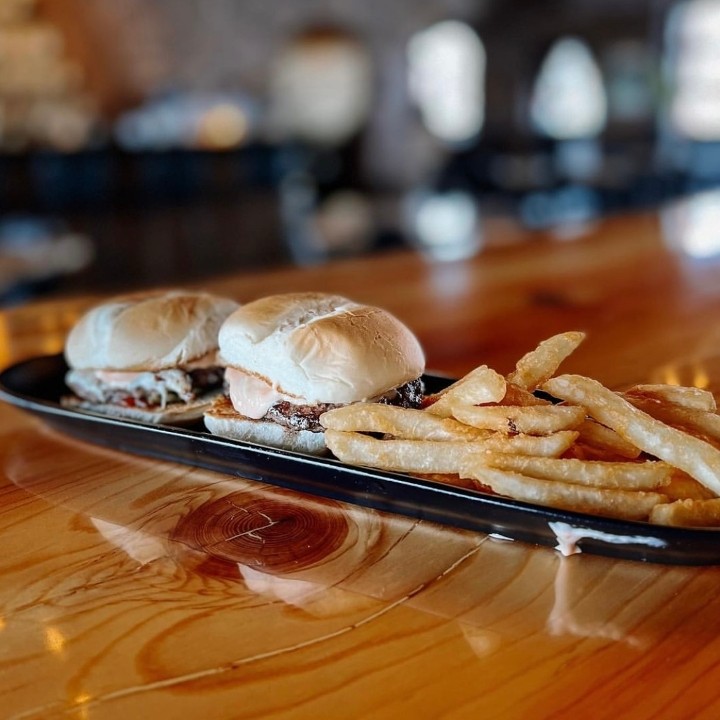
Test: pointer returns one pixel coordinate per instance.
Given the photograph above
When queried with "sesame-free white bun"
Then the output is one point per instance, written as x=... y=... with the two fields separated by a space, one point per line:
x=147 y=331
x=321 y=348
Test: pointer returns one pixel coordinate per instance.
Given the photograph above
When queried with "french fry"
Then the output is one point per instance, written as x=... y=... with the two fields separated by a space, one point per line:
x=611 y=502
x=691 y=398
x=481 y=385
x=683 y=487
x=686 y=452
x=541 y=445
x=606 y=441
x=688 y=513
x=411 y=456
x=533 y=420
x=404 y=423
x=540 y=364
x=515 y=395
x=427 y=456
x=649 y=475
x=696 y=422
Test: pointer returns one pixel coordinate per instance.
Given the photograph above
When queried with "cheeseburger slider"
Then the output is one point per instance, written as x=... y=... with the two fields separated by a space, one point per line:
x=291 y=357
x=149 y=357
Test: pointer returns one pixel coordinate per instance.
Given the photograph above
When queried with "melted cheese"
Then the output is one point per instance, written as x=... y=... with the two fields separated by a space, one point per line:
x=251 y=396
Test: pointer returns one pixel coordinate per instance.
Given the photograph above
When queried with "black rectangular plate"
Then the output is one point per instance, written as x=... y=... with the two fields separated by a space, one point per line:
x=36 y=385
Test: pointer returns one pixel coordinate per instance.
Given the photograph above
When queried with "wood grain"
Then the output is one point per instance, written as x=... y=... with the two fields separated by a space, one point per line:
x=135 y=588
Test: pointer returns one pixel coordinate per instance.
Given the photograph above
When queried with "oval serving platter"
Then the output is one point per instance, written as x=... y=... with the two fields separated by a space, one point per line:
x=36 y=385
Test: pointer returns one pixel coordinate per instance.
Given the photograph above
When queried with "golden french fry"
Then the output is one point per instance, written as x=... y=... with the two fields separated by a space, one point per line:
x=683 y=487
x=686 y=452
x=481 y=385
x=595 y=473
x=399 y=422
x=611 y=502
x=688 y=397
x=605 y=440
x=412 y=456
x=533 y=420
x=542 y=445
x=515 y=395
x=428 y=456
x=540 y=364
x=688 y=513
x=696 y=422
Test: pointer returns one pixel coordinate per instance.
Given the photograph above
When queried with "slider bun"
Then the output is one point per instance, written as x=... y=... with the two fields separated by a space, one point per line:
x=147 y=331
x=321 y=348
x=222 y=419
x=179 y=413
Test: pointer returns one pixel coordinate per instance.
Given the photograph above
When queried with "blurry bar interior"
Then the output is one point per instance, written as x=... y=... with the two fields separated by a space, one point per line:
x=146 y=143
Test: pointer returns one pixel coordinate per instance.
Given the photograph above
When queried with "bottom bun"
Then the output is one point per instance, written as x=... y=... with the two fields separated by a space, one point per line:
x=178 y=413
x=222 y=419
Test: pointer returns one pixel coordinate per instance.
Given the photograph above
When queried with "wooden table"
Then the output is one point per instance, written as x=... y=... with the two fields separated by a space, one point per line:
x=135 y=588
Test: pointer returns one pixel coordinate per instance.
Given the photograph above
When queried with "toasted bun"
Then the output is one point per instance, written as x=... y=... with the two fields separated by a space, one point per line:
x=321 y=348
x=149 y=331
x=222 y=419
x=178 y=413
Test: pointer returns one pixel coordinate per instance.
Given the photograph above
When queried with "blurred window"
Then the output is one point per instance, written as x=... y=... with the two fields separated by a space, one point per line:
x=693 y=58
x=692 y=224
x=446 y=225
x=569 y=100
x=447 y=80
x=629 y=74
x=321 y=87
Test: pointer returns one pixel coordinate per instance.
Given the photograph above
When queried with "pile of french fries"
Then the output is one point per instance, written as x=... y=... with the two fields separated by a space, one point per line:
x=649 y=453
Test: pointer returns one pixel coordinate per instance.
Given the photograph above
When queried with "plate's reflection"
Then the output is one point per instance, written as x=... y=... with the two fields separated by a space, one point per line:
x=331 y=560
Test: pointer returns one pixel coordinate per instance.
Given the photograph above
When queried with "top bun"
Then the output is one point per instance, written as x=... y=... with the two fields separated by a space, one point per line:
x=321 y=348
x=147 y=331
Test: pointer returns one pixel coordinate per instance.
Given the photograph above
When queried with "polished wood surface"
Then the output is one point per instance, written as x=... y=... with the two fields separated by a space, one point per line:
x=135 y=588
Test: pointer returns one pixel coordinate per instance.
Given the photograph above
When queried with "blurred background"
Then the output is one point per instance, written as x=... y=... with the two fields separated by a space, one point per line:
x=146 y=143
